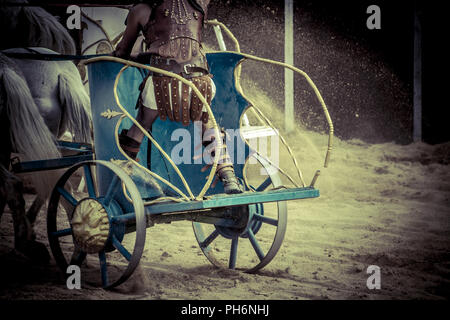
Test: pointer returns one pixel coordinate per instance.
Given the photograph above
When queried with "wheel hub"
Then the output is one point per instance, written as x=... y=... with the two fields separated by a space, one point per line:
x=240 y=215
x=90 y=226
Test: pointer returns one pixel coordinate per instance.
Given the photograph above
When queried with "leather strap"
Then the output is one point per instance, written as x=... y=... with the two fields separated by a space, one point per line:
x=161 y=85
x=224 y=157
x=196 y=104
x=205 y=117
x=207 y=93
x=193 y=68
x=166 y=98
x=157 y=84
x=185 y=104
x=176 y=100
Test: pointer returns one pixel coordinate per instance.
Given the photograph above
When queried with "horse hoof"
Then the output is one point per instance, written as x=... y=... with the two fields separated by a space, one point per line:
x=35 y=251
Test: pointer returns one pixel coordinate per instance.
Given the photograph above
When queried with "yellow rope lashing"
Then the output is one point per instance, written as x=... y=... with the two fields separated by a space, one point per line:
x=199 y=95
x=259 y=114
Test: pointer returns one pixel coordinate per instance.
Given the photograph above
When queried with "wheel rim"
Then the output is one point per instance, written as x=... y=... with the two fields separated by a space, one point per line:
x=59 y=227
x=257 y=221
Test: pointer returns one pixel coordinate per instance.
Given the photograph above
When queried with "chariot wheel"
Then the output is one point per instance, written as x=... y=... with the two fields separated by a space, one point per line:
x=85 y=227
x=252 y=247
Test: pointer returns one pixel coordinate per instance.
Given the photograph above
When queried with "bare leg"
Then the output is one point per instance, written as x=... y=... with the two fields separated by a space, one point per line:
x=145 y=117
x=130 y=140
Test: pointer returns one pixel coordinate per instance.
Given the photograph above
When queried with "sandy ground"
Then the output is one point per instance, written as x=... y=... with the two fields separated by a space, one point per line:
x=383 y=204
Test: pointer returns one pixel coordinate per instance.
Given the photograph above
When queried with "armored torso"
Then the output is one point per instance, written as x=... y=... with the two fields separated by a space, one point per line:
x=174 y=29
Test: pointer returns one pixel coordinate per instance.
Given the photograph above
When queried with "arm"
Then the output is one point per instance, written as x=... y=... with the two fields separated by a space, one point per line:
x=136 y=18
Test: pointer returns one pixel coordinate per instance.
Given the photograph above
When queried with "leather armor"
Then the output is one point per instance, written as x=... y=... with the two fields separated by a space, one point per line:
x=174 y=29
x=183 y=108
x=173 y=37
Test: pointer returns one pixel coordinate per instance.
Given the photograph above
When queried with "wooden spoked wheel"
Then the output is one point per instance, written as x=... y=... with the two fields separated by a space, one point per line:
x=253 y=247
x=85 y=227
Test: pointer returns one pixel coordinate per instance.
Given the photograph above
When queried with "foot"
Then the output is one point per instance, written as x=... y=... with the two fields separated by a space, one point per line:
x=230 y=183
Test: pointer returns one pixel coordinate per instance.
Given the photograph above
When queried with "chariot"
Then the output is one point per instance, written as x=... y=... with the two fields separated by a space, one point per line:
x=106 y=218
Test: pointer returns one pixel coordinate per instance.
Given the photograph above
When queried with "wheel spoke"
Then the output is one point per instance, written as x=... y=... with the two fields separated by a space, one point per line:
x=61 y=233
x=265 y=219
x=89 y=181
x=103 y=268
x=66 y=195
x=68 y=200
x=78 y=256
x=233 y=253
x=263 y=186
x=210 y=239
x=259 y=215
x=123 y=251
x=255 y=244
x=111 y=190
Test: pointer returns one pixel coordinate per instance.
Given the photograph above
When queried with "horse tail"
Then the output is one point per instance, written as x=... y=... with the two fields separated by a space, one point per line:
x=76 y=107
x=29 y=134
x=44 y=30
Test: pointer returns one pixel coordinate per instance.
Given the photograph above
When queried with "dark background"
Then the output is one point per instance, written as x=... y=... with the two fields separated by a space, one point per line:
x=383 y=102
x=387 y=116
x=394 y=45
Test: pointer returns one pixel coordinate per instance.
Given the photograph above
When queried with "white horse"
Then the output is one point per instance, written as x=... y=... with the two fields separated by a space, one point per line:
x=22 y=26
x=39 y=101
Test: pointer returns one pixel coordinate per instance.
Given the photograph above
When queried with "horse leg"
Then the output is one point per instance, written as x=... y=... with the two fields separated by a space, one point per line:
x=2 y=198
x=34 y=209
x=3 y=188
x=12 y=188
x=2 y=204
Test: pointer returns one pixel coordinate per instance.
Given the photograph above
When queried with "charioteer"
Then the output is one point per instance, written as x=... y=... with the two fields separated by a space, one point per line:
x=172 y=33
